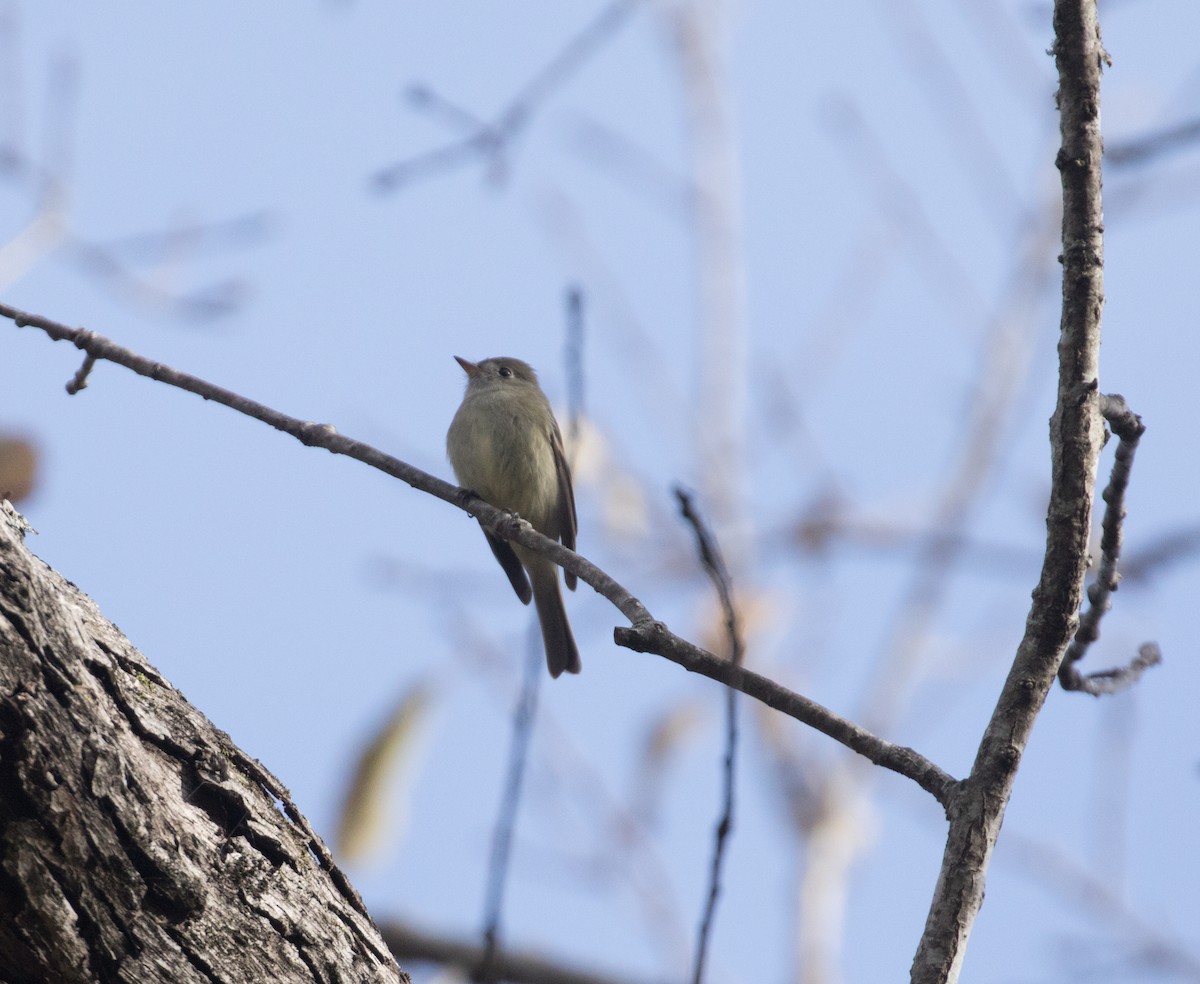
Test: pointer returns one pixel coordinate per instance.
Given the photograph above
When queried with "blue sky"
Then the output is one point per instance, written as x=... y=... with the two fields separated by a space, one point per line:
x=895 y=189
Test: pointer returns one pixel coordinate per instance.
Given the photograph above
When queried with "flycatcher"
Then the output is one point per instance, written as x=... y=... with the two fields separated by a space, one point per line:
x=504 y=444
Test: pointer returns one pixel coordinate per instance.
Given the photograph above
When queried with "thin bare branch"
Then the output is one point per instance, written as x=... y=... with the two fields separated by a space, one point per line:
x=1140 y=150
x=623 y=855
x=714 y=564
x=573 y=357
x=490 y=140
x=414 y=946
x=1156 y=555
x=655 y=637
x=1128 y=428
x=646 y=634
x=524 y=715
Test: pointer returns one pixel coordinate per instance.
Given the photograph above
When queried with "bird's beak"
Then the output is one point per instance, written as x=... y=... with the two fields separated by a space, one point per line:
x=470 y=368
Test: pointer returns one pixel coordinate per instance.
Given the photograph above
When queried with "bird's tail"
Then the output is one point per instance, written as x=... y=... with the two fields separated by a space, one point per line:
x=561 y=652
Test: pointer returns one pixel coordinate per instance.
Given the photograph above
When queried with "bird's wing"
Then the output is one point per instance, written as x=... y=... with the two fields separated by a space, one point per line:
x=567 y=522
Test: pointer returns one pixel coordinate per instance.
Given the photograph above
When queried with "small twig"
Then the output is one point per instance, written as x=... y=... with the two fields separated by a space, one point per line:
x=79 y=380
x=1128 y=428
x=422 y=97
x=714 y=563
x=409 y=944
x=574 y=361
x=489 y=140
x=1158 y=554
x=1139 y=150
x=1117 y=678
x=506 y=820
x=645 y=634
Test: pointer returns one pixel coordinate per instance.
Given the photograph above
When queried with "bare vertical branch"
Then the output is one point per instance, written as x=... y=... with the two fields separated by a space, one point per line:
x=574 y=361
x=1076 y=437
x=714 y=564
x=522 y=730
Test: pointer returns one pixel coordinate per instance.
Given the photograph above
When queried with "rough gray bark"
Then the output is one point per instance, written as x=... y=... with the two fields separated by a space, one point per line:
x=137 y=843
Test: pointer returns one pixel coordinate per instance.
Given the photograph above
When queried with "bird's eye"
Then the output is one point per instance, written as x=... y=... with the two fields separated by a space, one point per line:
x=505 y=371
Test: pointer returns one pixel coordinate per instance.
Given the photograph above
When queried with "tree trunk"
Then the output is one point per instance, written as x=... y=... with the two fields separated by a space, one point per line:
x=137 y=843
